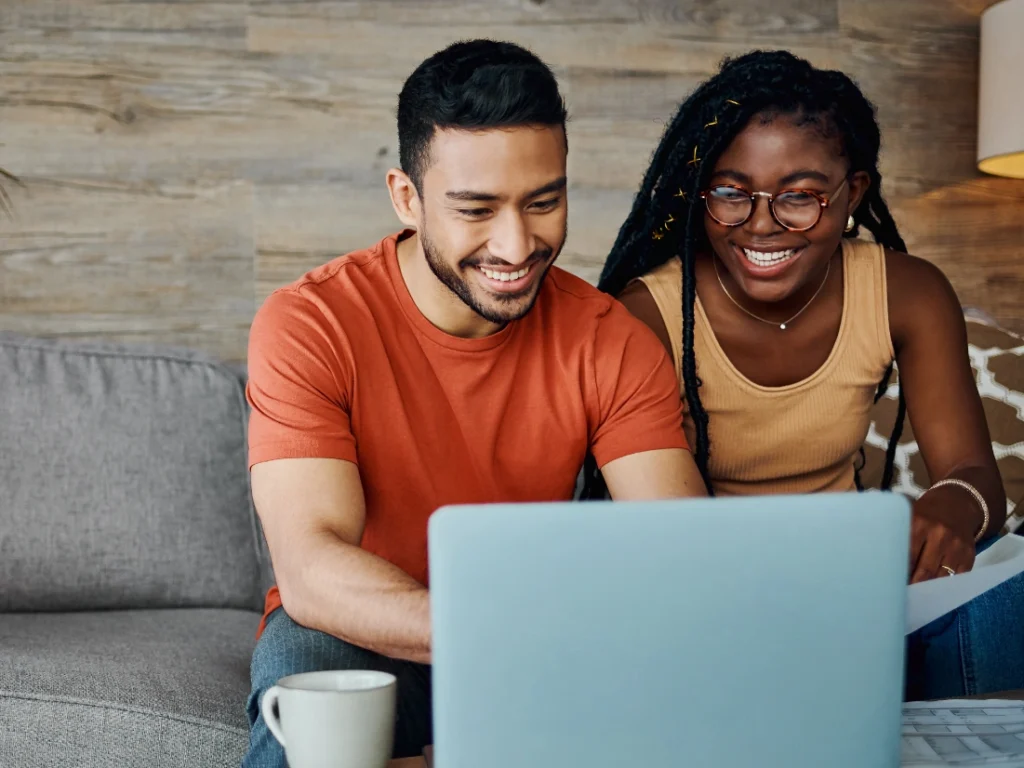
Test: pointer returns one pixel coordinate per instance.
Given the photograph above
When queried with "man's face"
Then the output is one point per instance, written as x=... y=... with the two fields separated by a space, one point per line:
x=494 y=212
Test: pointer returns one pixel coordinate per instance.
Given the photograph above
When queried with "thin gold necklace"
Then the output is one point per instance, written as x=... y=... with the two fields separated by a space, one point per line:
x=781 y=326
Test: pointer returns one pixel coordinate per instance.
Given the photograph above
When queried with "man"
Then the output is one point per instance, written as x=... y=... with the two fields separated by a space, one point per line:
x=450 y=363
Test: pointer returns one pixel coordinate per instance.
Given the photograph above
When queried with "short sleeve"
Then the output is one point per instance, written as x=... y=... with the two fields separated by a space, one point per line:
x=638 y=403
x=299 y=384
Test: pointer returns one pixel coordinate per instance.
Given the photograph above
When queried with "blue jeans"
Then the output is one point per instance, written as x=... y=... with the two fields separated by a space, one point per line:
x=975 y=650
x=285 y=648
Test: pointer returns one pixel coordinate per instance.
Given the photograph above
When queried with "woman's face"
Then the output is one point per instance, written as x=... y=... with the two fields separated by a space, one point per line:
x=768 y=262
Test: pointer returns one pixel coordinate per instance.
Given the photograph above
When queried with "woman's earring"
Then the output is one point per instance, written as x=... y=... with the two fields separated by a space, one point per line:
x=850 y=223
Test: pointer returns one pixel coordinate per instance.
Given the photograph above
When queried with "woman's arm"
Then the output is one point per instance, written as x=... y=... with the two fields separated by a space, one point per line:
x=930 y=338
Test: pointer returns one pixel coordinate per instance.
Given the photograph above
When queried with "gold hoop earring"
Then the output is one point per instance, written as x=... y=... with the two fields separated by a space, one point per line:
x=850 y=224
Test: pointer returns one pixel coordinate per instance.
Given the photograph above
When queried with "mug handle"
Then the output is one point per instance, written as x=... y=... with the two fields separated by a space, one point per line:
x=269 y=715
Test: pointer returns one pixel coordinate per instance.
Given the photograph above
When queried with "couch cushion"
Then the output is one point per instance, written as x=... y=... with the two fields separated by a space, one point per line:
x=125 y=688
x=124 y=480
x=997 y=357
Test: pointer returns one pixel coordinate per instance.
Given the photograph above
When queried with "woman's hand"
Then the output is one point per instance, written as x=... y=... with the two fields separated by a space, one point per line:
x=942 y=529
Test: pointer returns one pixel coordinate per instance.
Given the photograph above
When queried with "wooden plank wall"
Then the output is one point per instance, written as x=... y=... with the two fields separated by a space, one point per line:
x=182 y=159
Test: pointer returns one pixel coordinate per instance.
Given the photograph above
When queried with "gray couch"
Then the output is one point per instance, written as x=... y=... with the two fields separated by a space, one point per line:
x=132 y=567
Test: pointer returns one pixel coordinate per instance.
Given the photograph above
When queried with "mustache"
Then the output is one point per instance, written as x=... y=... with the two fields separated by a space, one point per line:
x=541 y=254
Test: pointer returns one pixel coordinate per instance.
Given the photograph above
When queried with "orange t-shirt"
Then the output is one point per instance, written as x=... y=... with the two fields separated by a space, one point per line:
x=343 y=365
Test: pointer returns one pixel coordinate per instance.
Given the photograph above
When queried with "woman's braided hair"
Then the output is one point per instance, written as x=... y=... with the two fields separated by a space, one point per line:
x=667 y=218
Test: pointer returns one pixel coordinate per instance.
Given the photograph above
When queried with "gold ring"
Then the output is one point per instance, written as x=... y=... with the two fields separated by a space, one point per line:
x=949 y=570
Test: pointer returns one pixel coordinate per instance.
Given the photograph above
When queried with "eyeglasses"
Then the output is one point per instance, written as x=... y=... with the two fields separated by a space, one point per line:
x=797 y=210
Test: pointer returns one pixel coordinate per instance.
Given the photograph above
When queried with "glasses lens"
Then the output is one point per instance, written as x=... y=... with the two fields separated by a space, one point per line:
x=798 y=210
x=728 y=205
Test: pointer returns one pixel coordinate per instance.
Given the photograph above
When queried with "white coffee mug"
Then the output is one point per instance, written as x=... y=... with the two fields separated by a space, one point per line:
x=338 y=719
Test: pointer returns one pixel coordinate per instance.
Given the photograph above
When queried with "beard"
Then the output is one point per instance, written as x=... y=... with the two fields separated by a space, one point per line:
x=498 y=308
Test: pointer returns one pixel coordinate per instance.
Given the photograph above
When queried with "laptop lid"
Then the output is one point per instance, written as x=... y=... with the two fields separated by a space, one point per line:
x=756 y=631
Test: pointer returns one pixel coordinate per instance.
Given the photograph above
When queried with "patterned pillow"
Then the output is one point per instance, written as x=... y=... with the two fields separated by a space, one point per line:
x=997 y=357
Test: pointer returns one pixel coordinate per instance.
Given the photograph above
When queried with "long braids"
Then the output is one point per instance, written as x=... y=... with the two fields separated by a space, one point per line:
x=667 y=218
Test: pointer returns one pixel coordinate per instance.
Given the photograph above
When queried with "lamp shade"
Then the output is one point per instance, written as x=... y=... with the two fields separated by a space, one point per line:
x=1001 y=90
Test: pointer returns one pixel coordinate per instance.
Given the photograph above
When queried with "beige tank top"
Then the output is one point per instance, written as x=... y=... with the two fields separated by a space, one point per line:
x=801 y=438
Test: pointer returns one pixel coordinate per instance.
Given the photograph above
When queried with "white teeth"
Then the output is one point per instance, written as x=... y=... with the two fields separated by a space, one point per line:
x=505 y=276
x=763 y=259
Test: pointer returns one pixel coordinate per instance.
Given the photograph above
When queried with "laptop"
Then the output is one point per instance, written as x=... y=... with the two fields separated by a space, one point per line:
x=749 y=632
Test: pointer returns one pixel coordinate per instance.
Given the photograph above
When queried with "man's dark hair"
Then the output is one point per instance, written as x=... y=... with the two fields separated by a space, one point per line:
x=760 y=83
x=473 y=85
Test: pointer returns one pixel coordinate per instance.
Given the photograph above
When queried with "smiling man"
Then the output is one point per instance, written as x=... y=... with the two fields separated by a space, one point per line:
x=449 y=363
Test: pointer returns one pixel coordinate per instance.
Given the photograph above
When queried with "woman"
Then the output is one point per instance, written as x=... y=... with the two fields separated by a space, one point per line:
x=739 y=254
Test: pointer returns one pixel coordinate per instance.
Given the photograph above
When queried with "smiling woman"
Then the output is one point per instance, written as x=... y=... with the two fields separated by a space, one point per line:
x=741 y=253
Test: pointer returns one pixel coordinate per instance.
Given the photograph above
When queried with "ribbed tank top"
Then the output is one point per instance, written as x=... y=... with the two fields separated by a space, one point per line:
x=800 y=438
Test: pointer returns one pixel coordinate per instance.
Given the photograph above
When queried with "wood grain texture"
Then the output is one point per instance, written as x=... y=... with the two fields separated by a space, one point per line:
x=685 y=45
x=130 y=264
x=495 y=13
x=880 y=18
x=160 y=116
x=974 y=231
x=299 y=227
x=110 y=24
x=185 y=157
x=749 y=23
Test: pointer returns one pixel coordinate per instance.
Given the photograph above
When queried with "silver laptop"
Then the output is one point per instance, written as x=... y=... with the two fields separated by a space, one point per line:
x=761 y=632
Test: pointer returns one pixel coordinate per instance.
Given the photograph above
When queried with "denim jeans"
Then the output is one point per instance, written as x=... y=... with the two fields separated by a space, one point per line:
x=975 y=650
x=285 y=648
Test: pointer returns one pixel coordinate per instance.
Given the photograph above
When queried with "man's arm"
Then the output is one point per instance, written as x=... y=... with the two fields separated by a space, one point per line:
x=313 y=513
x=668 y=473
x=307 y=488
